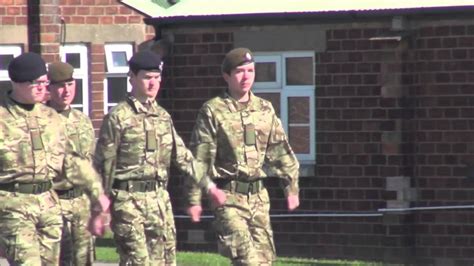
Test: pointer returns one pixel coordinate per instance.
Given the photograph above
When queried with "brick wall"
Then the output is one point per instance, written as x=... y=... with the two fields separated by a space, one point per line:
x=91 y=22
x=13 y=12
x=394 y=130
x=98 y=12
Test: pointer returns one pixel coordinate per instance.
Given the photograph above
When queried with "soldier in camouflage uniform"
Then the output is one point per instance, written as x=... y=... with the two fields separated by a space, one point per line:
x=33 y=152
x=234 y=135
x=76 y=242
x=137 y=143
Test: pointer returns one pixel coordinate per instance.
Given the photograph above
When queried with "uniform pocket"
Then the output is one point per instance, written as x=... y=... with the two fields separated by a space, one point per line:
x=226 y=247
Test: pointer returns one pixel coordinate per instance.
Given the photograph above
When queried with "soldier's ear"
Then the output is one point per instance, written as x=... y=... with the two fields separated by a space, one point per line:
x=225 y=76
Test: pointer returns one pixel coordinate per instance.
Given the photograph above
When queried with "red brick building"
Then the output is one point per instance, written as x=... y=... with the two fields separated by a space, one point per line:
x=95 y=36
x=377 y=100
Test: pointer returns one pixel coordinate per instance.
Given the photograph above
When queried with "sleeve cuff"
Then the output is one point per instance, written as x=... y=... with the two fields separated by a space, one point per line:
x=292 y=190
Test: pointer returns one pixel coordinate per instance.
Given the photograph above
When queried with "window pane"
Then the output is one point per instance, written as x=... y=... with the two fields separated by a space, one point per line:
x=74 y=59
x=299 y=71
x=299 y=139
x=265 y=72
x=298 y=109
x=5 y=86
x=78 y=97
x=5 y=59
x=116 y=89
x=119 y=59
x=274 y=98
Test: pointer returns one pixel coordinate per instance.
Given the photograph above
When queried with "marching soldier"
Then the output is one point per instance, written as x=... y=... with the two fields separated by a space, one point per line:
x=137 y=143
x=33 y=152
x=235 y=134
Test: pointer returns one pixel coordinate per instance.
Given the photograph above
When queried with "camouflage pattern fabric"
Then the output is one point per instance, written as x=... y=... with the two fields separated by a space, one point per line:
x=31 y=150
x=244 y=233
x=76 y=242
x=138 y=142
x=234 y=141
x=32 y=143
x=30 y=228
x=80 y=142
x=143 y=227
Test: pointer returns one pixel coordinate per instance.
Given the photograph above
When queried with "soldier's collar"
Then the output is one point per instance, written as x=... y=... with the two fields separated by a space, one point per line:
x=18 y=108
x=235 y=106
x=140 y=107
x=65 y=112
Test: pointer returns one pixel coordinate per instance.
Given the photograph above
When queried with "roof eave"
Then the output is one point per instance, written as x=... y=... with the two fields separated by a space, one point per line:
x=170 y=20
x=146 y=7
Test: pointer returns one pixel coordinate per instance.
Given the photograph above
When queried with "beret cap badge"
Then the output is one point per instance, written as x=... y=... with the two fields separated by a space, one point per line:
x=248 y=56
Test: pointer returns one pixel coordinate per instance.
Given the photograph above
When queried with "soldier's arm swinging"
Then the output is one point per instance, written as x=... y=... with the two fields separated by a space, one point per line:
x=195 y=170
x=282 y=161
x=203 y=146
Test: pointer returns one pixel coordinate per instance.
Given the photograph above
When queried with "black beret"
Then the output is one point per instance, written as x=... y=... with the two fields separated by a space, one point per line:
x=60 y=72
x=145 y=60
x=236 y=57
x=26 y=67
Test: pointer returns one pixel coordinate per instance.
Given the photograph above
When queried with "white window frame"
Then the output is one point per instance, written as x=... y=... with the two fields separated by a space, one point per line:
x=14 y=50
x=287 y=91
x=79 y=73
x=270 y=86
x=115 y=71
x=285 y=95
x=114 y=47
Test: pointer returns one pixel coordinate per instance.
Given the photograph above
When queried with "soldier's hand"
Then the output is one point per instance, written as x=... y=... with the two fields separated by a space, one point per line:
x=195 y=213
x=104 y=203
x=99 y=223
x=293 y=202
x=217 y=196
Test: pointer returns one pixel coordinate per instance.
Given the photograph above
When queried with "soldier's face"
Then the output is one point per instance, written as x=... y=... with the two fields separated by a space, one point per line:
x=240 y=80
x=62 y=94
x=30 y=92
x=146 y=83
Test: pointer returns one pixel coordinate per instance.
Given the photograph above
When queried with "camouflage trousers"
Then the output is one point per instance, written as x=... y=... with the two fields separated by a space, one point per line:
x=30 y=228
x=243 y=228
x=143 y=226
x=77 y=242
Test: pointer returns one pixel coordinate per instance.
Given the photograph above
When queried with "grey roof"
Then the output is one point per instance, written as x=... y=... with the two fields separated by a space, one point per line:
x=235 y=7
x=194 y=8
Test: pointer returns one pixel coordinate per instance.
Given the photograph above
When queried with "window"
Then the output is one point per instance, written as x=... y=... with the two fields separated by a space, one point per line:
x=7 y=53
x=116 y=83
x=287 y=80
x=76 y=56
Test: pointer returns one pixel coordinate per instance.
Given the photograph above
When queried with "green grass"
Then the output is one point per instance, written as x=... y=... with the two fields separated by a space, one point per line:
x=108 y=254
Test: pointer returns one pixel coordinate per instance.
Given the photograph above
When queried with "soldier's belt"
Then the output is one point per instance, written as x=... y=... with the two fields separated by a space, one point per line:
x=27 y=188
x=70 y=193
x=242 y=187
x=137 y=185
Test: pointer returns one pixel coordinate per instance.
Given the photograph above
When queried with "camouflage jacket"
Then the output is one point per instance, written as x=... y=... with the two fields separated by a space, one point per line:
x=81 y=140
x=234 y=140
x=136 y=142
x=33 y=146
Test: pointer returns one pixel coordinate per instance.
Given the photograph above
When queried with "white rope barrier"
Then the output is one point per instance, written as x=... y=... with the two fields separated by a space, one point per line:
x=380 y=212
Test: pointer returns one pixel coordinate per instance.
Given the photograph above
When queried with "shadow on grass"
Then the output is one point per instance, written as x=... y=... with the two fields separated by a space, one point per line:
x=299 y=262
x=105 y=242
